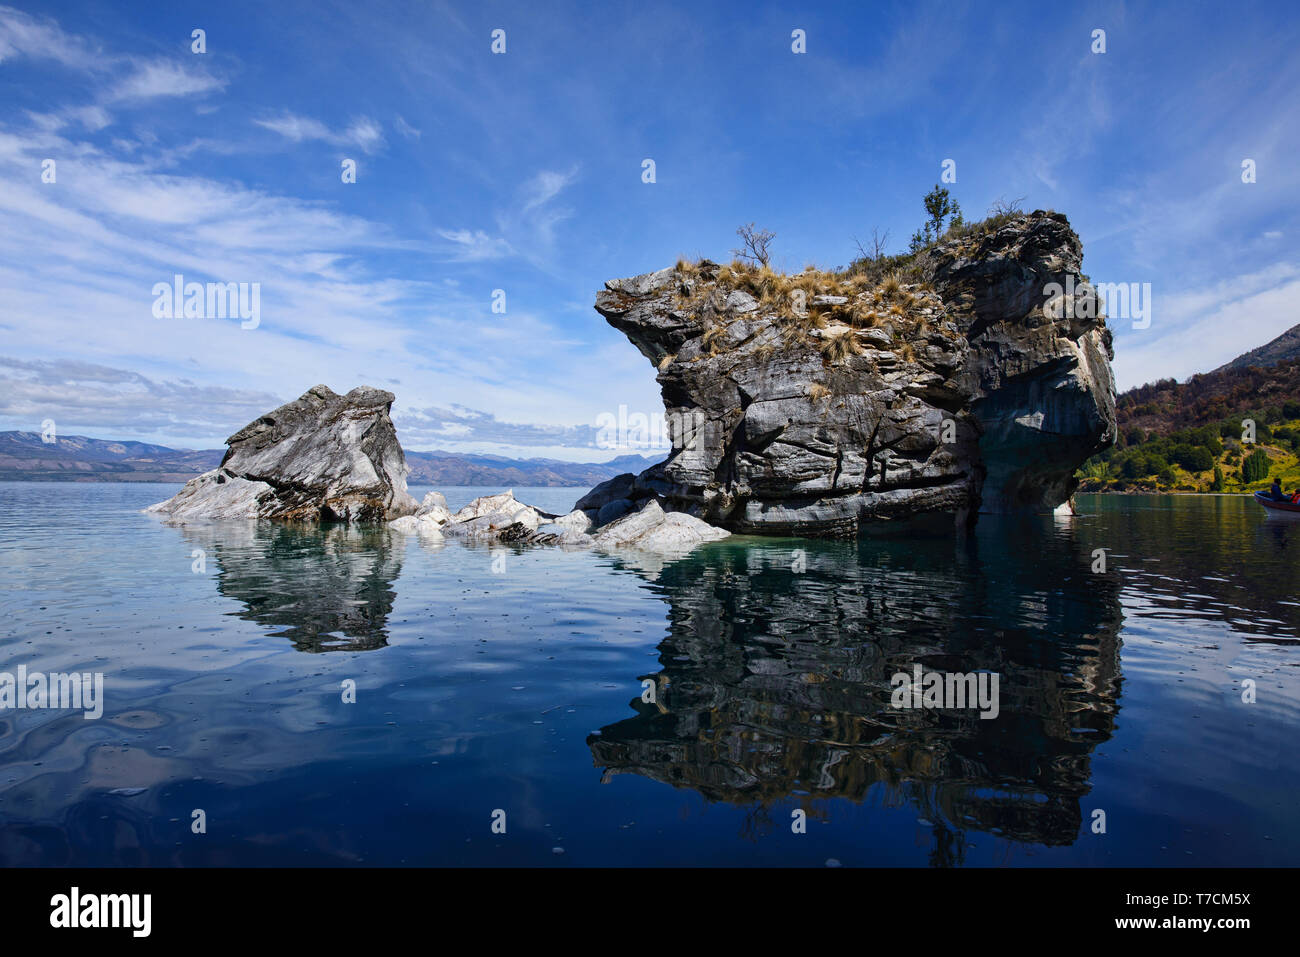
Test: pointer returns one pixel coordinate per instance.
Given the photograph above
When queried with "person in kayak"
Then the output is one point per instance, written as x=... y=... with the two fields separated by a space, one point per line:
x=1276 y=493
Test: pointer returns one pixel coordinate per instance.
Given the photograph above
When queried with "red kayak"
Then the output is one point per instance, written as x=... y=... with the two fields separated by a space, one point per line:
x=1270 y=503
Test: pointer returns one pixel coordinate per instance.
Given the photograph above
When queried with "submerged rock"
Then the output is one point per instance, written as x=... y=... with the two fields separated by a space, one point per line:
x=974 y=387
x=488 y=505
x=421 y=525
x=488 y=517
x=434 y=508
x=653 y=530
x=503 y=519
x=577 y=520
x=322 y=457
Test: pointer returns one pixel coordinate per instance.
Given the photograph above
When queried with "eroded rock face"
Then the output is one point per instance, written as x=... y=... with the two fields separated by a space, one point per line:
x=972 y=389
x=322 y=457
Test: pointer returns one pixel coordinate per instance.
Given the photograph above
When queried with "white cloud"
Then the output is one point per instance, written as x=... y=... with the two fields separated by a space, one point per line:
x=532 y=228
x=432 y=427
x=475 y=245
x=77 y=266
x=157 y=78
x=527 y=230
x=1201 y=329
x=86 y=397
x=346 y=299
x=23 y=35
x=296 y=128
x=93 y=118
x=545 y=186
x=406 y=129
x=364 y=132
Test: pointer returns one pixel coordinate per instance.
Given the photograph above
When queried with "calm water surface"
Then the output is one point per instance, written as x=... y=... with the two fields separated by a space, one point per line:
x=520 y=690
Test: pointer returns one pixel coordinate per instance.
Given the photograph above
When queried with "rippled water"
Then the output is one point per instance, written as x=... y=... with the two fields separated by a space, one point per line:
x=520 y=690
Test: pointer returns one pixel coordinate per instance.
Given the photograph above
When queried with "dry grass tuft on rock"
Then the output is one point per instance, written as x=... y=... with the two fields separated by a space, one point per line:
x=838 y=346
x=806 y=303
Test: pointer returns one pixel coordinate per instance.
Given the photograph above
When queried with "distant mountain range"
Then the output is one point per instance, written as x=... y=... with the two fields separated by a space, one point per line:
x=1230 y=392
x=1262 y=378
x=1282 y=349
x=452 y=468
x=1187 y=436
x=75 y=458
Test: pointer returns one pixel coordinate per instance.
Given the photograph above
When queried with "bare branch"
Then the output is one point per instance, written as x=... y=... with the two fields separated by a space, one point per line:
x=879 y=243
x=757 y=244
x=1002 y=207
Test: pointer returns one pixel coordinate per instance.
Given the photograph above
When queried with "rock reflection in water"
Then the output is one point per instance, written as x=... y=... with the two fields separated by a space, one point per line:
x=328 y=587
x=775 y=684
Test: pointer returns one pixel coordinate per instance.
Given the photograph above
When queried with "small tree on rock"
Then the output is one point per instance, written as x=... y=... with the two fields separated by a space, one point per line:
x=757 y=243
x=944 y=213
x=939 y=205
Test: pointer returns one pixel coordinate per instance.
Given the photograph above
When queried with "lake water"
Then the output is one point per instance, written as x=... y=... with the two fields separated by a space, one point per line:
x=506 y=680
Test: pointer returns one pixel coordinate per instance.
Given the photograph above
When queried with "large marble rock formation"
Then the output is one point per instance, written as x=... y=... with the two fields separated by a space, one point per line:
x=321 y=457
x=971 y=384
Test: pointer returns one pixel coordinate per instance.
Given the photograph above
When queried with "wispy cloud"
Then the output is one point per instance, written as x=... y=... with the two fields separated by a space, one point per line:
x=461 y=426
x=526 y=229
x=80 y=257
x=160 y=78
x=475 y=245
x=544 y=187
x=40 y=38
x=115 y=402
x=364 y=132
x=1203 y=328
x=406 y=129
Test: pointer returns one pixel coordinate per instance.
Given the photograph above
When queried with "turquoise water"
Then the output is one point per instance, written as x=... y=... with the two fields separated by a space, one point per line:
x=507 y=680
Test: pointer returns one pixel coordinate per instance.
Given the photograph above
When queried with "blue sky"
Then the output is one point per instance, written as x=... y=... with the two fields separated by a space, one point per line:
x=522 y=172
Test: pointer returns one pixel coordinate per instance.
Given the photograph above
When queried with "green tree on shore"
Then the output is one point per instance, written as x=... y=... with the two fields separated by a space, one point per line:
x=1255 y=467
